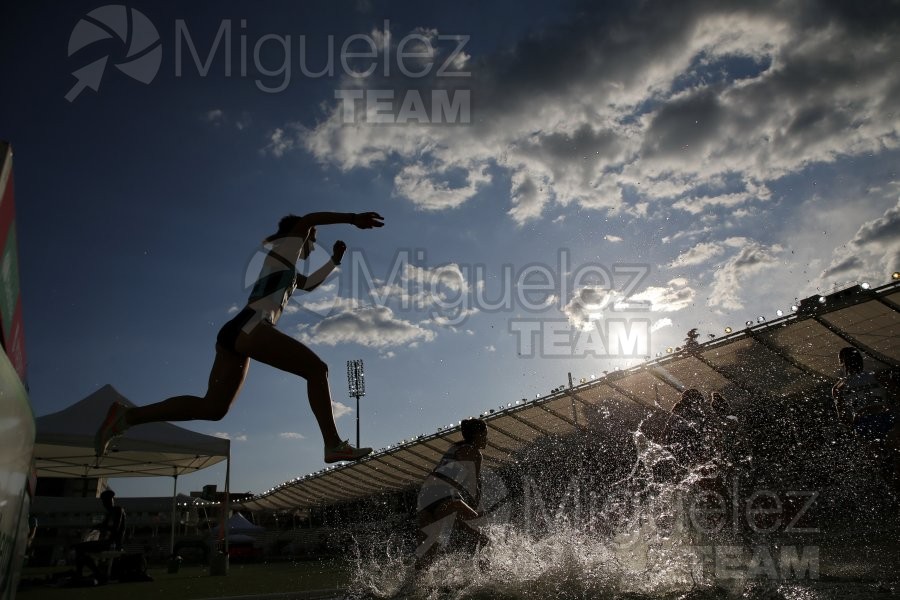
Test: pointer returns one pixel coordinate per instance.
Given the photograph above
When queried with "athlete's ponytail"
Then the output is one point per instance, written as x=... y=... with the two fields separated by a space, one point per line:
x=285 y=225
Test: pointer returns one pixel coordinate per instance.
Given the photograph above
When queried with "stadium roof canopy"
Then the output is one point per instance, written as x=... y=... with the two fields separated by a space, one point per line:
x=791 y=355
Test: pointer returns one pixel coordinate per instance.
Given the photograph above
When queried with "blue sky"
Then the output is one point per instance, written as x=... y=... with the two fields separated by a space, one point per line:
x=741 y=157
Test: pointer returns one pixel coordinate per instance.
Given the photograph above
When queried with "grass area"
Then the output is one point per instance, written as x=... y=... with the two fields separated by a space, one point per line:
x=195 y=582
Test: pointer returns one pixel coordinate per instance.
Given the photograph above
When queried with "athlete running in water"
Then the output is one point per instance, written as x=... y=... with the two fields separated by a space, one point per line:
x=869 y=408
x=252 y=334
x=450 y=496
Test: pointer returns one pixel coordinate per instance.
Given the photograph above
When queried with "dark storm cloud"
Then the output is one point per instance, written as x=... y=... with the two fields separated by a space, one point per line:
x=851 y=264
x=883 y=231
x=619 y=97
x=684 y=124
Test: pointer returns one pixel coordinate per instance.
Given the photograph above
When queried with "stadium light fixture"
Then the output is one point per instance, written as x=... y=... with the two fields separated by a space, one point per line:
x=356 y=382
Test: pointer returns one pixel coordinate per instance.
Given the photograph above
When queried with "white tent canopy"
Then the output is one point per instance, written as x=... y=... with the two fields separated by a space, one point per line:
x=64 y=444
x=64 y=447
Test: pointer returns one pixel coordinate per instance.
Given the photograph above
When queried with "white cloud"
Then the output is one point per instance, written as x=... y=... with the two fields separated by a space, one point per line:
x=729 y=278
x=872 y=253
x=215 y=116
x=458 y=316
x=675 y=118
x=674 y=296
x=660 y=324
x=696 y=205
x=612 y=238
x=491 y=348
x=280 y=143
x=449 y=276
x=372 y=326
x=428 y=189
x=339 y=409
x=735 y=242
x=227 y=436
x=291 y=435
x=233 y=309
x=218 y=117
x=587 y=305
x=697 y=255
x=687 y=233
x=243 y=122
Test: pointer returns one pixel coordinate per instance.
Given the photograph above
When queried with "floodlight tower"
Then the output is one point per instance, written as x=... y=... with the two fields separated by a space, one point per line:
x=356 y=381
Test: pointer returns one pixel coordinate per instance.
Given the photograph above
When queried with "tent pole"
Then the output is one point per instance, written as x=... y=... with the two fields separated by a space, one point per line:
x=227 y=496
x=174 y=499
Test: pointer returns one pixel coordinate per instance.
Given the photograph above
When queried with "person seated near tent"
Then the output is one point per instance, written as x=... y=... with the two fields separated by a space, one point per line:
x=450 y=496
x=866 y=406
x=112 y=532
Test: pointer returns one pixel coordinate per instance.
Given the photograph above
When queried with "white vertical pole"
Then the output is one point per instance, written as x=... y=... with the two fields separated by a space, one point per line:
x=227 y=497
x=174 y=499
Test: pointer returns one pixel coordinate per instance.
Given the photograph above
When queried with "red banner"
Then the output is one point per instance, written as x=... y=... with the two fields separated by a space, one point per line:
x=12 y=333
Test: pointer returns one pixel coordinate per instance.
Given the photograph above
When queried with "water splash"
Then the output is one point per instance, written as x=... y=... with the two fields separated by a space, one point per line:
x=631 y=539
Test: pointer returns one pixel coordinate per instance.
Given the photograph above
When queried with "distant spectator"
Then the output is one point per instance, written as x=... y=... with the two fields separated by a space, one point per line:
x=29 y=541
x=112 y=532
x=32 y=531
x=690 y=341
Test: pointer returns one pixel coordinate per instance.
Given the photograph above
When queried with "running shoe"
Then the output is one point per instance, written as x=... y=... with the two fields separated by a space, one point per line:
x=344 y=451
x=113 y=426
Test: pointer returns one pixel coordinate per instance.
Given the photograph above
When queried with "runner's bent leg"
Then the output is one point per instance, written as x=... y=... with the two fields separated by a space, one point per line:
x=225 y=381
x=268 y=345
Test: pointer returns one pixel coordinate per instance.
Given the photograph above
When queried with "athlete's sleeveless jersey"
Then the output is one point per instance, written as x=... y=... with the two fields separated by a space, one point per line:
x=451 y=479
x=277 y=279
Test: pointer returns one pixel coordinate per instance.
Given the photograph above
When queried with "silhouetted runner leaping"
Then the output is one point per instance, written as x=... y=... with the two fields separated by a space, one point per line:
x=252 y=334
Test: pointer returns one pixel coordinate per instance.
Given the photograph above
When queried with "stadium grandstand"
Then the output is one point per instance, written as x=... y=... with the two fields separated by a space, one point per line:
x=791 y=357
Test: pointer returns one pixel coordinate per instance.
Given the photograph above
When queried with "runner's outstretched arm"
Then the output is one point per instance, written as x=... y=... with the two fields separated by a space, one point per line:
x=366 y=220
